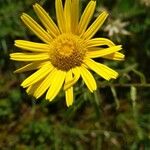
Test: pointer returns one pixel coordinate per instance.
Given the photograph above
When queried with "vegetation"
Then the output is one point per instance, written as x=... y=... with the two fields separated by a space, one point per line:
x=116 y=117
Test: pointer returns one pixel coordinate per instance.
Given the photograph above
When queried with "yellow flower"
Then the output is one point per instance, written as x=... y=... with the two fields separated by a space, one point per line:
x=66 y=52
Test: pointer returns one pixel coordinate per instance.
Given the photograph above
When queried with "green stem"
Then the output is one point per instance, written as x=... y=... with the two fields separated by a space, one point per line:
x=96 y=103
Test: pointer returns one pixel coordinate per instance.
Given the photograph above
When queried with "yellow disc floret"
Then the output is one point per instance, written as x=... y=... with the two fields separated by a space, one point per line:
x=68 y=52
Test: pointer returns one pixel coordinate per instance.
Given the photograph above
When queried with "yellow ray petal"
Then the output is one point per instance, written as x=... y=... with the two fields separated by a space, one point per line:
x=38 y=75
x=86 y=17
x=100 y=69
x=112 y=73
x=115 y=56
x=90 y=32
x=88 y=79
x=45 y=84
x=36 y=28
x=32 y=46
x=30 y=66
x=31 y=89
x=67 y=15
x=60 y=15
x=69 y=91
x=98 y=42
x=69 y=96
x=75 y=78
x=29 y=56
x=46 y=20
x=103 y=52
x=56 y=85
x=74 y=15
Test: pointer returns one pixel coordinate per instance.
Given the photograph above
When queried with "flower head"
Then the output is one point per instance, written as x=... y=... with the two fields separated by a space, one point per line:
x=116 y=28
x=66 y=52
x=146 y=2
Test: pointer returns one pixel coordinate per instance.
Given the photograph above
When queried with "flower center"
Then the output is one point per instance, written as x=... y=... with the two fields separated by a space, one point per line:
x=68 y=52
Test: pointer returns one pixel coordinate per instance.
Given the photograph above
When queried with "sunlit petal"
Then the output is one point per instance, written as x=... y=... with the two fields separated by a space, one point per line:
x=36 y=28
x=45 y=84
x=101 y=69
x=99 y=42
x=88 y=79
x=67 y=15
x=56 y=85
x=29 y=56
x=74 y=15
x=30 y=66
x=69 y=91
x=60 y=15
x=86 y=17
x=38 y=75
x=103 y=52
x=46 y=20
x=32 y=46
x=90 y=32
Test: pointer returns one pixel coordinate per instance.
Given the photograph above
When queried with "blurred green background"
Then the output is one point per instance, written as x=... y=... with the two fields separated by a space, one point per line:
x=116 y=117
